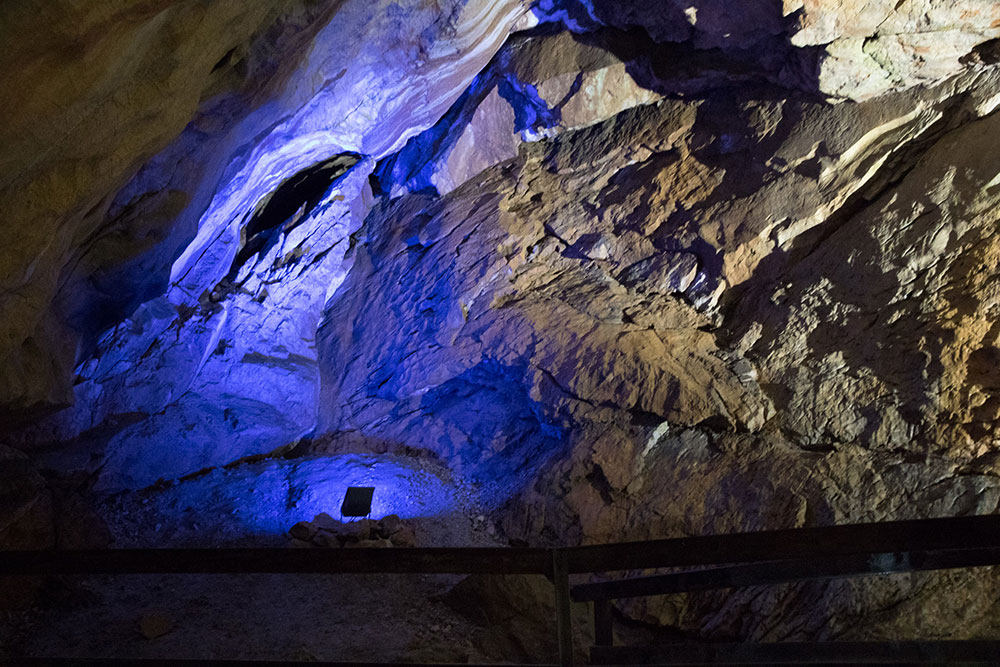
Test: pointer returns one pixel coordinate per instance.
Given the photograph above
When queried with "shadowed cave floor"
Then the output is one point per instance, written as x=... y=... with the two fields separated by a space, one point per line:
x=378 y=618
x=300 y=617
x=292 y=617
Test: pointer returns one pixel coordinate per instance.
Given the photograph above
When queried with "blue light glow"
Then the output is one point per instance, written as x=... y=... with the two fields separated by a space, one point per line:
x=270 y=496
x=532 y=114
x=225 y=364
x=414 y=164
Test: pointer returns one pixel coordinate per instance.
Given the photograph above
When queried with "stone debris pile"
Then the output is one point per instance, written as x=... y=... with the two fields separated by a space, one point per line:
x=325 y=531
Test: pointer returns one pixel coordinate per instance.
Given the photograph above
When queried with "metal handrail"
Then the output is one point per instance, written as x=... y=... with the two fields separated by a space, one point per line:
x=758 y=558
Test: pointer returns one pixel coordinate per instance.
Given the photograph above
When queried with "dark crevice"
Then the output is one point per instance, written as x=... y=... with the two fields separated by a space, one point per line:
x=600 y=482
x=286 y=207
x=224 y=60
x=987 y=53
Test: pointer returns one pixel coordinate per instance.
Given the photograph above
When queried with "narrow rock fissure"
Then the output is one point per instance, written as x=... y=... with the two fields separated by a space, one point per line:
x=284 y=208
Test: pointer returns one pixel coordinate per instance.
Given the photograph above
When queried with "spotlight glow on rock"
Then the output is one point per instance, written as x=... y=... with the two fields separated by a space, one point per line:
x=270 y=496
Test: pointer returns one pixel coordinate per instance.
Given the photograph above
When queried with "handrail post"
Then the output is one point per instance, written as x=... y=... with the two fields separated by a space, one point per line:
x=564 y=627
x=603 y=625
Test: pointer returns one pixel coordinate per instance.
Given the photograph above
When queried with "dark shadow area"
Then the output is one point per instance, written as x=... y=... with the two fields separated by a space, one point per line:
x=503 y=436
x=679 y=69
x=287 y=206
x=688 y=49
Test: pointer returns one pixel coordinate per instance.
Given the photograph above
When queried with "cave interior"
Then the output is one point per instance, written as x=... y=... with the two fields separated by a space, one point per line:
x=541 y=272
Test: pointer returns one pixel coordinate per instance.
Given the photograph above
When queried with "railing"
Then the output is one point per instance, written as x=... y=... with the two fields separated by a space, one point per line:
x=782 y=556
x=746 y=559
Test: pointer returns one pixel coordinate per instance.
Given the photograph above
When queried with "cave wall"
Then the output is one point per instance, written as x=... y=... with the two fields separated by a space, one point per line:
x=146 y=389
x=93 y=93
x=637 y=270
x=135 y=131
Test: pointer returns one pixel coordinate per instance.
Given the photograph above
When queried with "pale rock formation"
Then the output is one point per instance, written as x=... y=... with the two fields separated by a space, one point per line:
x=874 y=47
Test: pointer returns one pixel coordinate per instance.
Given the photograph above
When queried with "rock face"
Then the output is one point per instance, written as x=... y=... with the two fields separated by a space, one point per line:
x=232 y=371
x=171 y=413
x=92 y=94
x=636 y=269
x=325 y=531
x=215 y=125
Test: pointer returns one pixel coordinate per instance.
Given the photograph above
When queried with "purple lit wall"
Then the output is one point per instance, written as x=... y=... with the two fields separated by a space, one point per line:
x=222 y=365
x=274 y=325
x=269 y=496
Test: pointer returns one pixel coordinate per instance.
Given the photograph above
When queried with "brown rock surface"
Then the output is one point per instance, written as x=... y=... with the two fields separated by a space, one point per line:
x=761 y=392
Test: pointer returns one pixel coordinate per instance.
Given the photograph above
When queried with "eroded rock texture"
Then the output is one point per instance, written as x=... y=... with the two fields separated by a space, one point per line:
x=217 y=104
x=637 y=269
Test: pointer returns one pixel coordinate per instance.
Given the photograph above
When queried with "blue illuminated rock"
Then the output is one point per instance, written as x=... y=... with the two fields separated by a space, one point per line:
x=225 y=363
x=537 y=87
x=217 y=123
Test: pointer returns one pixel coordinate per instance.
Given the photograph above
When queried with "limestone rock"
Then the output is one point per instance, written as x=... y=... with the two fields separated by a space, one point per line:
x=933 y=391
x=325 y=531
x=243 y=114
x=303 y=531
x=516 y=614
x=538 y=86
x=389 y=525
x=548 y=300
x=663 y=274
x=121 y=152
x=324 y=521
x=873 y=47
x=323 y=538
x=369 y=544
x=87 y=117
